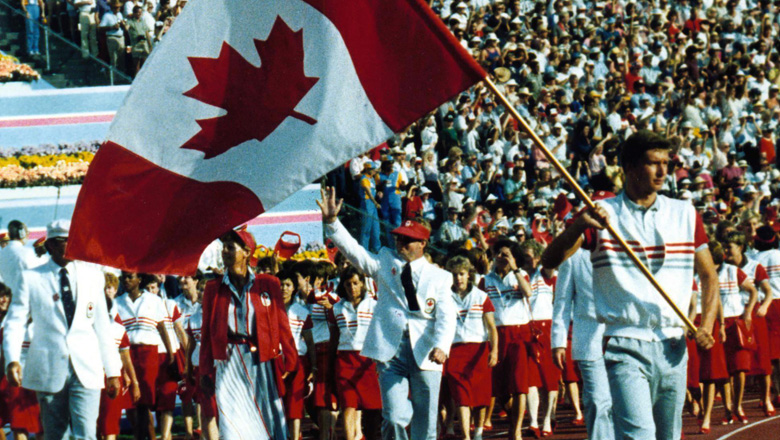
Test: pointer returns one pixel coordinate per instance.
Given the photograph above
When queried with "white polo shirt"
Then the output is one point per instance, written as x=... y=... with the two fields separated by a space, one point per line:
x=353 y=322
x=140 y=317
x=471 y=311
x=507 y=298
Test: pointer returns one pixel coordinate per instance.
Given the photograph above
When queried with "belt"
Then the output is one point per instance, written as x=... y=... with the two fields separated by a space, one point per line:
x=242 y=340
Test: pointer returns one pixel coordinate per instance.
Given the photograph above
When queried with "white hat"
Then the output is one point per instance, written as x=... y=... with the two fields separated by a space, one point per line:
x=511 y=82
x=491 y=197
x=750 y=189
x=424 y=190
x=58 y=229
x=519 y=222
x=491 y=36
x=503 y=223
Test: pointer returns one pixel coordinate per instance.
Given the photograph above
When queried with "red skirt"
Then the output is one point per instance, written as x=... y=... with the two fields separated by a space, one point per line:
x=323 y=378
x=510 y=375
x=111 y=409
x=737 y=358
x=295 y=389
x=712 y=362
x=571 y=372
x=468 y=375
x=167 y=385
x=773 y=329
x=207 y=401
x=357 y=383
x=23 y=412
x=762 y=358
x=147 y=366
x=543 y=372
x=694 y=363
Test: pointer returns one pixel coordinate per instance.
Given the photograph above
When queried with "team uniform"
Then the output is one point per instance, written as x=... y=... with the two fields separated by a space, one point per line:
x=19 y=406
x=542 y=371
x=762 y=360
x=770 y=259
x=356 y=377
x=324 y=395
x=510 y=375
x=207 y=401
x=168 y=375
x=731 y=278
x=299 y=317
x=140 y=319
x=111 y=409
x=645 y=352
x=467 y=372
x=247 y=346
x=712 y=362
x=574 y=303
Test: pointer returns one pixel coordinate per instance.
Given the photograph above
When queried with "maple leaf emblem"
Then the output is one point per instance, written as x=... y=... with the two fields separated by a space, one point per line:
x=257 y=99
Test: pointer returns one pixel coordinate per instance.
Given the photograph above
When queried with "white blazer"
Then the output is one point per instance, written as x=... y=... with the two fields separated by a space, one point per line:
x=88 y=344
x=433 y=326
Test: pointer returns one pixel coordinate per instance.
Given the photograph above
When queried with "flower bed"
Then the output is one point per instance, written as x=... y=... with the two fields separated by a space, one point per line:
x=12 y=70
x=46 y=165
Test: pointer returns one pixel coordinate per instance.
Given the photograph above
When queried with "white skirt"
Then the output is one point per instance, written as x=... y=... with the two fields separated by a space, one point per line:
x=249 y=404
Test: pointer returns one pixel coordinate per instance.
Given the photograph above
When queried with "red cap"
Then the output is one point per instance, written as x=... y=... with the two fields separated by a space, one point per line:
x=287 y=248
x=4 y=236
x=412 y=229
x=246 y=238
x=39 y=242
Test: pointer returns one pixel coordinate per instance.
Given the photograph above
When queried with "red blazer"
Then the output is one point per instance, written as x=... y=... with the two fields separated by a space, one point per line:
x=274 y=339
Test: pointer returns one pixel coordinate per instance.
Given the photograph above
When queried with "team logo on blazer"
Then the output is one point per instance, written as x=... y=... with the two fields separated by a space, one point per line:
x=430 y=305
x=265 y=299
x=56 y=297
x=90 y=310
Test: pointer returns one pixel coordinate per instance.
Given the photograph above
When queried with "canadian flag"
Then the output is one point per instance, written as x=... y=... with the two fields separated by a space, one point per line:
x=245 y=102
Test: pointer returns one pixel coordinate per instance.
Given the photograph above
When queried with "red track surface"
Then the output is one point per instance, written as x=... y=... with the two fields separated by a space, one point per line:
x=759 y=426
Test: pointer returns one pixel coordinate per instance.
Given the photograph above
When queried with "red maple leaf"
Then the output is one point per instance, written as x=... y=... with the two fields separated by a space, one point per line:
x=256 y=99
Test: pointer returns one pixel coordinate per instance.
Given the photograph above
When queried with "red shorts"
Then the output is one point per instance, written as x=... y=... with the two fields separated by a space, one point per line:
x=510 y=375
x=357 y=383
x=543 y=372
x=737 y=358
x=295 y=389
x=762 y=357
x=712 y=362
x=323 y=378
x=773 y=329
x=23 y=412
x=147 y=366
x=468 y=374
x=166 y=384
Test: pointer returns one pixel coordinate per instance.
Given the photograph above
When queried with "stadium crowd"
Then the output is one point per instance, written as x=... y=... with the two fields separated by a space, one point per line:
x=585 y=76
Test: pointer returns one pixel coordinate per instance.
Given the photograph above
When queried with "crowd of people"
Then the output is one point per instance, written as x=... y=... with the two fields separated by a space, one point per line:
x=121 y=33
x=697 y=81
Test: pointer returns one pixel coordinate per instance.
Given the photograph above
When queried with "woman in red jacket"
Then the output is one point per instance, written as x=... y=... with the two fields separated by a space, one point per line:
x=246 y=345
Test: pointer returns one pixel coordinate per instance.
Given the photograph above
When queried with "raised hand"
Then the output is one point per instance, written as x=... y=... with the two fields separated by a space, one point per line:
x=329 y=205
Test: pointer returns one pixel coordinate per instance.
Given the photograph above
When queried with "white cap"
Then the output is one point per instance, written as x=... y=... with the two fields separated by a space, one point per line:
x=58 y=229
x=424 y=190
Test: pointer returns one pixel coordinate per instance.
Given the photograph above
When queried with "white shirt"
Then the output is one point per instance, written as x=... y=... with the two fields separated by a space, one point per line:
x=194 y=326
x=172 y=314
x=353 y=322
x=14 y=259
x=140 y=317
x=471 y=311
x=507 y=298
x=297 y=315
